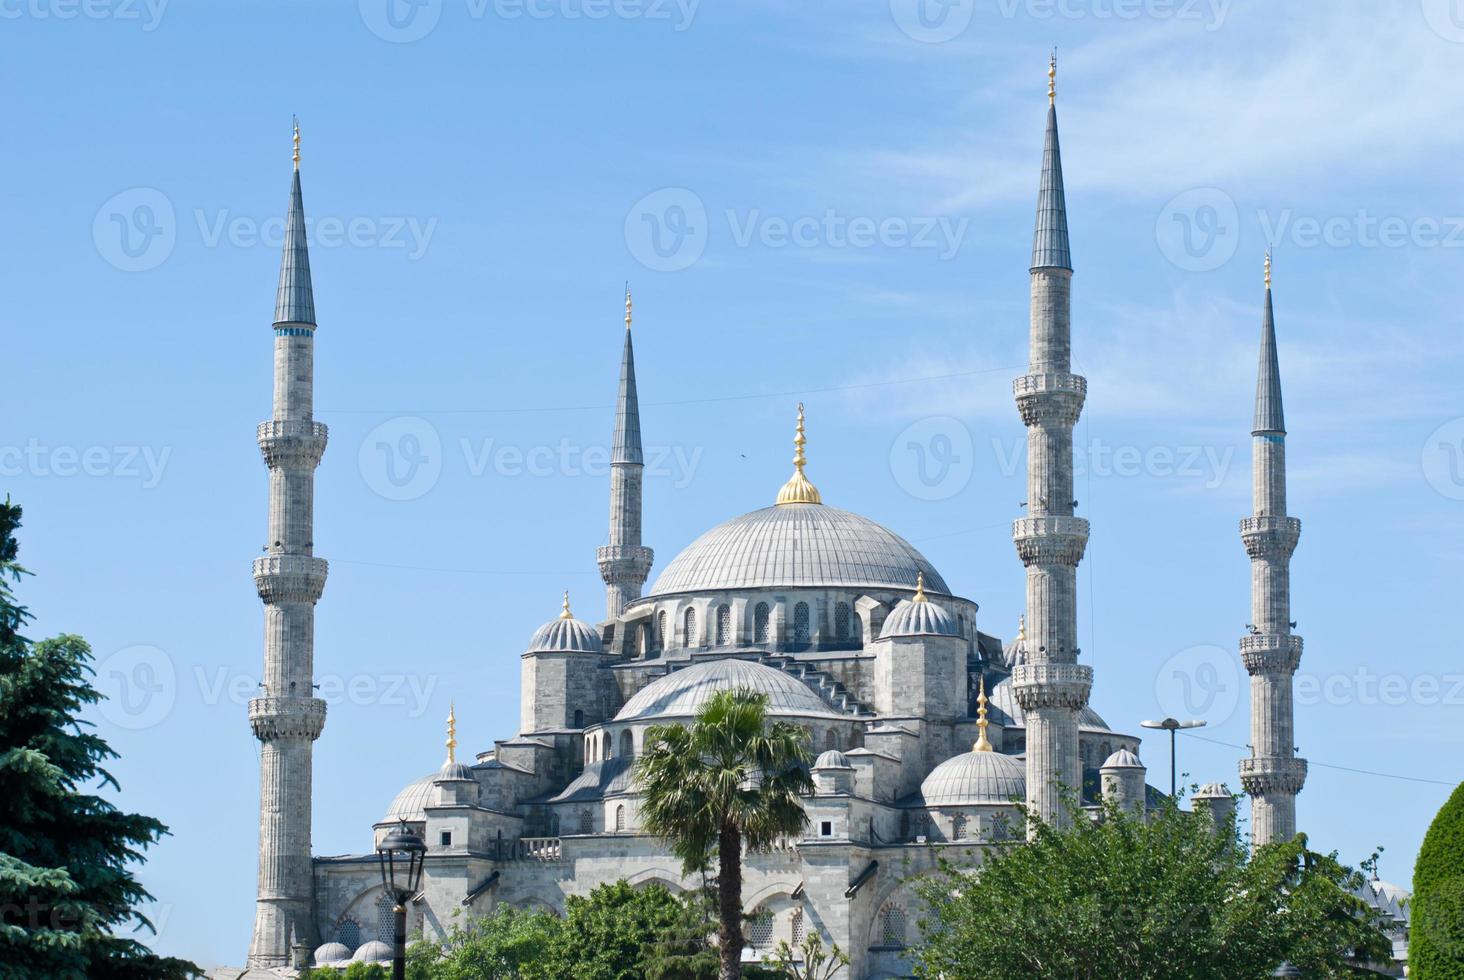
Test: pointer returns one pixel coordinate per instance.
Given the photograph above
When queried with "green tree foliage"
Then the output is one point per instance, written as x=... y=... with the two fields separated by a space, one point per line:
x=67 y=894
x=1167 y=899
x=730 y=780
x=810 y=961
x=1436 y=920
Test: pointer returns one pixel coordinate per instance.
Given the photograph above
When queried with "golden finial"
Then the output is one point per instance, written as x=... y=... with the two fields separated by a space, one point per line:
x=1268 y=268
x=798 y=490
x=920 y=587
x=1052 y=78
x=451 y=732
x=1022 y=628
x=627 y=306
x=564 y=613
x=297 y=141
x=982 y=745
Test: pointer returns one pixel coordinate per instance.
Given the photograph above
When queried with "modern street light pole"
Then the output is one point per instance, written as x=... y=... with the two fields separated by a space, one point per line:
x=1172 y=726
x=400 y=854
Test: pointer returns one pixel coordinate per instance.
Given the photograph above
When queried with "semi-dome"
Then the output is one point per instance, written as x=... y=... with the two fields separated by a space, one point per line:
x=975 y=778
x=1124 y=759
x=565 y=634
x=797 y=545
x=681 y=693
x=1007 y=712
x=918 y=616
x=832 y=759
x=410 y=804
x=329 y=953
x=375 y=951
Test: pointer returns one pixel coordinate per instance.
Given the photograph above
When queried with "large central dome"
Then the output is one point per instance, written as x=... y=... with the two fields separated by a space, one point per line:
x=797 y=545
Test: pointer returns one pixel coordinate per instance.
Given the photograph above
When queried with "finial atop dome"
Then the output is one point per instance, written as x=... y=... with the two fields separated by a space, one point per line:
x=982 y=745
x=1268 y=268
x=798 y=490
x=1052 y=78
x=451 y=733
x=1022 y=628
x=920 y=587
x=627 y=305
x=297 y=141
x=564 y=612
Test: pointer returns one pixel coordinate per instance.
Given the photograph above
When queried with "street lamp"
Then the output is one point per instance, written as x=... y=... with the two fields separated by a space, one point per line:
x=400 y=854
x=1172 y=725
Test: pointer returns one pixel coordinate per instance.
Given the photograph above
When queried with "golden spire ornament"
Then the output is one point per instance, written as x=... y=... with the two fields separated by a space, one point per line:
x=920 y=587
x=296 y=157
x=1268 y=268
x=451 y=733
x=798 y=490
x=627 y=306
x=1052 y=78
x=564 y=612
x=1022 y=628
x=982 y=745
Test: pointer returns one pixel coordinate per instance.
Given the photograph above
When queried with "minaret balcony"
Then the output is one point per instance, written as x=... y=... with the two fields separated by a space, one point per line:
x=1050 y=540
x=1270 y=653
x=1270 y=537
x=1269 y=775
x=624 y=564
x=292 y=442
x=1050 y=398
x=290 y=578
x=273 y=718
x=1052 y=685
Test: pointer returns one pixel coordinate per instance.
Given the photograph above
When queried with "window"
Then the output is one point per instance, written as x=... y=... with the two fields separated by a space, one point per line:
x=800 y=623
x=605 y=754
x=689 y=628
x=958 y=827
x=724 y=626
x=892 y=926
x=841 y=620
x=799 y=929
x=586 y=822
x=348 y=933
x=385 y=919
x=759 y=929
x=831 y=740
x=760 y=623
x=619 y=817
x=627 y=744
x=579 y=718
x=661 y=629
x=643 y=639
x=826 y=828
x=446 y=838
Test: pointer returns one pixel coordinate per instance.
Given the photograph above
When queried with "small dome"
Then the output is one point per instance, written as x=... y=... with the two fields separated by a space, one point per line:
x=410 y=802
x=566 y=635
x=832 y=759
x=1005 y=710
x=681 y=693
x=1211 y=791
x=375 y=951
x=919 y=617
x=332 y=953
x=975 y=778
x=1124 y=759
x=454 y=770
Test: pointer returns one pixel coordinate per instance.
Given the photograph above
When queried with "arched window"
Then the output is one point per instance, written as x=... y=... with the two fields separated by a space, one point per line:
x=579 y=718
x=605 y=747
x=800 y=623
x=348 y=933
x=958 y=827
x=587 y=822
x=661 y=637
x=724 y=626
x=385 y=919
x=760 y=929
x=892 y=926
x=627 y=744
x=619 y=817
x=831 y=740
x=643 y=639
x=961 y=624
x=689 y=628
x=760 y=623
x=841 y=620
x=798 y=929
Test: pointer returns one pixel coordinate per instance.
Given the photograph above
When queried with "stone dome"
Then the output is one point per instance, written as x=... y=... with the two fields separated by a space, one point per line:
x=975 y=778
x=375 y=951
x=1211 y=791
x=411 y=802
x=454 y=770
x=565 y=634
x=832 y=759
x=1005 y=710
x=918 y=617
x=797 y=545
x=681 y=693
x=329 y=953
x=1124 y=759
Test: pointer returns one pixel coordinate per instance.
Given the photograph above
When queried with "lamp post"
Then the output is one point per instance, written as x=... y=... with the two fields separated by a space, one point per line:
x=400 y=855
x=1172 y=725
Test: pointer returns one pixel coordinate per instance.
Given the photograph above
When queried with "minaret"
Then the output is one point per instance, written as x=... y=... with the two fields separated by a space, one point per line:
x=1049 y=684
x=286 y=718
x=624 y=562
x=1273 y=775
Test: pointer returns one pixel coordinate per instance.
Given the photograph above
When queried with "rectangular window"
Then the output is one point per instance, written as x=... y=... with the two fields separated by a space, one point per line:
x=826 y=828
x=447 y=838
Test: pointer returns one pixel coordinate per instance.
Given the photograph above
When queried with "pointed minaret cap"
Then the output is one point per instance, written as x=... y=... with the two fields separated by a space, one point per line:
x=798 y=490
x=1050 y=240
x=1270 y=420
x=295 y=300
x=982 y=744
x=626 y=447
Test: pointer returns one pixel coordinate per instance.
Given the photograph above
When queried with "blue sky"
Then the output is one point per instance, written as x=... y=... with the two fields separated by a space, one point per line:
x=829 y=202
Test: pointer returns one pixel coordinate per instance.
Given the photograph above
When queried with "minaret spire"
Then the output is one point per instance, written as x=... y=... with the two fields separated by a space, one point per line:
x=1272 y=775
x=1048 y=683
x=624 y=562
x=287 y=718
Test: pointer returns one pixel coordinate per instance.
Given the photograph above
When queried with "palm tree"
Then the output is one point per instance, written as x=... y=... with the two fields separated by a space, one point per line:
x=730 y=780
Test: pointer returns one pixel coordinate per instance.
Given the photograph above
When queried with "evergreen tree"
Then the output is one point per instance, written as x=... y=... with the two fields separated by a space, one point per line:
x=67 y=893
x=1436 y=922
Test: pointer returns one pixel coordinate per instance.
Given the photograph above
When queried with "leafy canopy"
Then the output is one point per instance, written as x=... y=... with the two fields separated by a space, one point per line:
x=1436 y=922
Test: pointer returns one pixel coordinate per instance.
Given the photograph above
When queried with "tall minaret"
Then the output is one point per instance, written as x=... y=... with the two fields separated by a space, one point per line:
x=286 y=718
x=624 y=562
x=1273 y=775
x=1049 y=684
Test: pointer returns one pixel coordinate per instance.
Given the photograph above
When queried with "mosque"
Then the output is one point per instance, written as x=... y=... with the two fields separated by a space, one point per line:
x=926 y=728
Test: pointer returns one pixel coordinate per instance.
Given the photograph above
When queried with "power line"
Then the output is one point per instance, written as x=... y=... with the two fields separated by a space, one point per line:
x=1324 y=765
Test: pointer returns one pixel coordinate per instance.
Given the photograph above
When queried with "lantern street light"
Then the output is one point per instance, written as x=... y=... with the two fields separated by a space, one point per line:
x=400 y=854
x=1172 y=725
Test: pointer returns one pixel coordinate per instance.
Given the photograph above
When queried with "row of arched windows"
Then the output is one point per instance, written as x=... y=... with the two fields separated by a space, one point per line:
x=846 y=627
